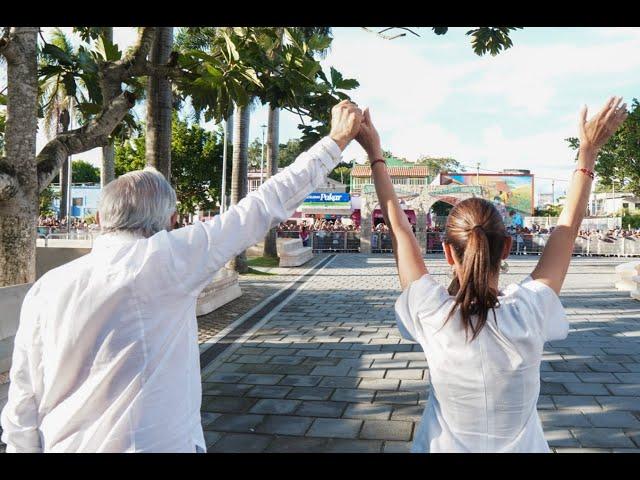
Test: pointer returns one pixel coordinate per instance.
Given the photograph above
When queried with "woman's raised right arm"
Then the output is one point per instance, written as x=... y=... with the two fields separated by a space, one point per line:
x=554 y=262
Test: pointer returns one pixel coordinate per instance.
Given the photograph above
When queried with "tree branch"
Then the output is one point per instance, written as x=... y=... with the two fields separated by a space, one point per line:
x=8 y=180
x=95 y=134
x=382 y=35
x=7 y=49
x=136 y=60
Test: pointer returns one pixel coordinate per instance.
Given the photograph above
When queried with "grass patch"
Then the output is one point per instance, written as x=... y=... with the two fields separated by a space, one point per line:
x=253 y=271
x=263 y=262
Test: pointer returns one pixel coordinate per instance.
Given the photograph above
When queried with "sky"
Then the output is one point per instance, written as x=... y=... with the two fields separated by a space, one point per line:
x=432 y=95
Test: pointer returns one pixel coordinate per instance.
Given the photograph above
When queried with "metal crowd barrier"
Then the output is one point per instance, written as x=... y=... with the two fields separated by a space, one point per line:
x=534 y=243
x=288 y=234
x=328 y=241
x=73 y=235
x=381 y=242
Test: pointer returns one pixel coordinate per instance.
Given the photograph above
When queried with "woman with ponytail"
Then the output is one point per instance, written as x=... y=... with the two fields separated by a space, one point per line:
x=484 y=345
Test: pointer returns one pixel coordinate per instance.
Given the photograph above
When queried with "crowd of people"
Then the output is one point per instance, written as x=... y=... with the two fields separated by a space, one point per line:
x=318 y=225
x=51 y=224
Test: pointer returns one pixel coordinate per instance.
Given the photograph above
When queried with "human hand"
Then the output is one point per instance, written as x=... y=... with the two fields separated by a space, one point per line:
x=597 y=131
x=368 y=137
x=346 y=118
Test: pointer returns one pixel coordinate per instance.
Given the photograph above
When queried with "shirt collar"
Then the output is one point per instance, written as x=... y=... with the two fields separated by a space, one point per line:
x=119 y=237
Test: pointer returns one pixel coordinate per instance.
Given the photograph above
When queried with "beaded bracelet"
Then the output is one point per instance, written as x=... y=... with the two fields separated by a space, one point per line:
x=585 y=171
x=376 y=161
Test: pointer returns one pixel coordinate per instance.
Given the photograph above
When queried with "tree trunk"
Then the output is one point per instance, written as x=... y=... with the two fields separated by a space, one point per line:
x=239 y=183
x=63 y=121
x=23 y=175
x=273 y=136
x=108 y=170
x=159 y=106
x=19 y=212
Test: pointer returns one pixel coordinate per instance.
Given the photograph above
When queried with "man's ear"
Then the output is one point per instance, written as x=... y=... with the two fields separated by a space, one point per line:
x=508 y=241
x=447 y=253
x=174 y=219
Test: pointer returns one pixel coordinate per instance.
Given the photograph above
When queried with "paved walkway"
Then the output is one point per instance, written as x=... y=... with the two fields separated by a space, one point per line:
x=328 y=372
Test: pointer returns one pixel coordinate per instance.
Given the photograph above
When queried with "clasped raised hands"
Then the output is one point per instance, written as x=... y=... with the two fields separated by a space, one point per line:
x=346 y=118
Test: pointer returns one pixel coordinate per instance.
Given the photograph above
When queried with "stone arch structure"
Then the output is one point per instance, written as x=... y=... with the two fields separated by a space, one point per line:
x=420 y=198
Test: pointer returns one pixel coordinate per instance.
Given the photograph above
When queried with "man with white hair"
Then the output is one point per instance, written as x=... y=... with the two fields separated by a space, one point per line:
x=106 y=355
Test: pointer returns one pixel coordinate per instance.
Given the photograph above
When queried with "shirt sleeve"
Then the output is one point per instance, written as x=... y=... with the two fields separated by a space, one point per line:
x=421 y=303
x=20 y=423
x=549 y=313
x=199 y=250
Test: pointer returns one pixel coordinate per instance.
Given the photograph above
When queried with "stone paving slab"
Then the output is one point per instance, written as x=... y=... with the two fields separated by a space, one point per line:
x=355 y=385
x=330 y=373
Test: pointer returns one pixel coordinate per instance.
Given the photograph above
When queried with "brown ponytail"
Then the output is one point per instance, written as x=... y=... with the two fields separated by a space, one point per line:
x=477 y=234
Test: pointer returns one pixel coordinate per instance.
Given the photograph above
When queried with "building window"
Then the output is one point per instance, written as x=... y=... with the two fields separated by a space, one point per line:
x=78 y=201
x=625 y=205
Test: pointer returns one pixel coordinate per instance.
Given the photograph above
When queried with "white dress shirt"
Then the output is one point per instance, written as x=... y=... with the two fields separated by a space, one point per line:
x=106 y=355
x=483 y=392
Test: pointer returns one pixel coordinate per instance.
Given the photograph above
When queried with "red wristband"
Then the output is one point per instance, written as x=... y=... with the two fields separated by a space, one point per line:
x=586 y=172
x=378 y=160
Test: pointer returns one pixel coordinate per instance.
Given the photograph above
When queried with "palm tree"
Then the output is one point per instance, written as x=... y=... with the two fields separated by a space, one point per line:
x=273 y=128
x=160 y=106
x=239 y=182
x=56 y=105
x=108 y=170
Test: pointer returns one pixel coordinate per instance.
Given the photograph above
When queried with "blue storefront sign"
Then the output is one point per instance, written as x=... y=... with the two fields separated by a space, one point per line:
x=329 y=198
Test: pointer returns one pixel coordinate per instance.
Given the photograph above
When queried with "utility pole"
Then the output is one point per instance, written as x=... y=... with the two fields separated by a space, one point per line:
x=223 y=195
x=553 y=192
x=262 y=155
x=70 y=171
x=478 y=173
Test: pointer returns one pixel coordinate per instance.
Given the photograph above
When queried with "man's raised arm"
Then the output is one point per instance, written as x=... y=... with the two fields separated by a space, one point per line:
x=203 y=248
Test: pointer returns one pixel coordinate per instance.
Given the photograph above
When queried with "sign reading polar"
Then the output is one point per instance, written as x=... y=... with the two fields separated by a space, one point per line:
x=328 y=200
x=513 y=190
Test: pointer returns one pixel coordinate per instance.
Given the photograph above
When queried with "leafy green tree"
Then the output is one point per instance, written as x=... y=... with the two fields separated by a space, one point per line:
x=196 y=163
x=129 y=154
x=288 y=152
x=490 y=40
x=440 y=164
x=81 y=172
x=342 y=173
x=619 y=159
x=254 y=155
x=196 y=166
x=45 y=201
x=84 y=172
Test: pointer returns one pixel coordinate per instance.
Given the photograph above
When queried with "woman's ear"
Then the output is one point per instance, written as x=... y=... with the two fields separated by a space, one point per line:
x=448 y=254
x=508 y=241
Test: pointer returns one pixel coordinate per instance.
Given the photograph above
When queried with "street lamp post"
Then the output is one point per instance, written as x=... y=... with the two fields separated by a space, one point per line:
x=262 y=154
x=69 y=172
x=613 y=187
x=223 y=199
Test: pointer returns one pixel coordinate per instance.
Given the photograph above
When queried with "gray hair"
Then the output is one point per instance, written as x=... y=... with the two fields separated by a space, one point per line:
x=141 y=202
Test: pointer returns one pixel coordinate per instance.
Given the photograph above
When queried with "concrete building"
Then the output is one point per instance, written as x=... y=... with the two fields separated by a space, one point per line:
x=330 y=185
x=85 y=198
x=401 y=172
x=609 y=203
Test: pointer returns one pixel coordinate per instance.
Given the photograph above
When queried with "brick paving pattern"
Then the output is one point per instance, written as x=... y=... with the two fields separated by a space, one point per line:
x=330 y=372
